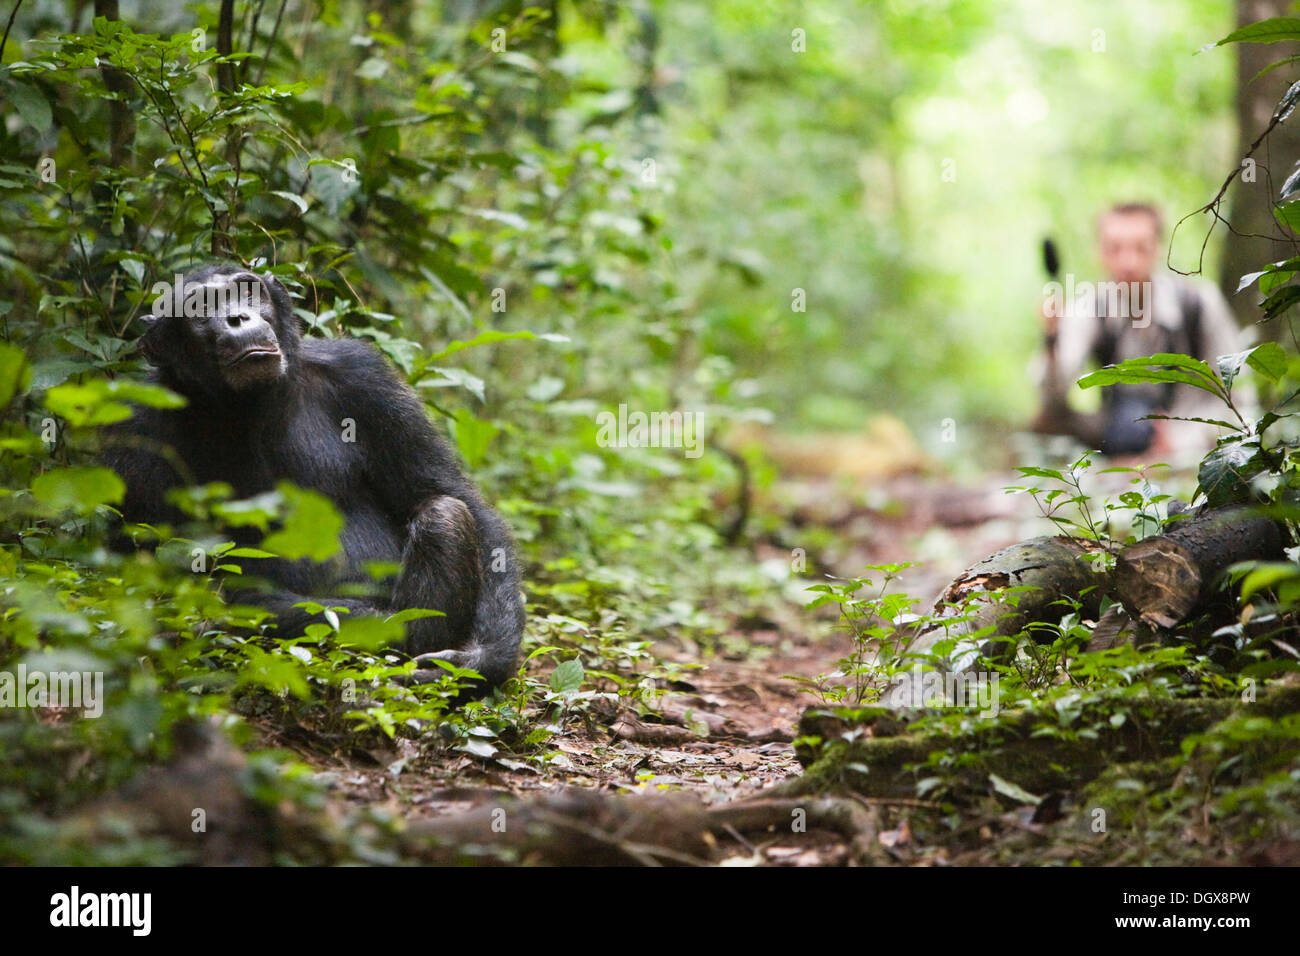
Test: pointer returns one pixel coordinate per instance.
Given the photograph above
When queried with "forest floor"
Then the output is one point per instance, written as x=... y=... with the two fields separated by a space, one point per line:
x=724 y=732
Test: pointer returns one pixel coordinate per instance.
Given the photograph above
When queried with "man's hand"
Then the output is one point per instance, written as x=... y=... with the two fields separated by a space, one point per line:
x=1051 y=321
x=1161 y=448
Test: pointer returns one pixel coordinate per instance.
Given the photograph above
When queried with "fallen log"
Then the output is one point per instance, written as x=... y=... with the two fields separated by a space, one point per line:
x=1161 y=580
x=978 y=608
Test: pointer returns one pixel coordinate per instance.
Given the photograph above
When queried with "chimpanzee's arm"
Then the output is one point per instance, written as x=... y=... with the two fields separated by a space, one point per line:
x=137 y=450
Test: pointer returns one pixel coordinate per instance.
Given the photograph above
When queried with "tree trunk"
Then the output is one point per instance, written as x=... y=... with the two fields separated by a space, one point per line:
x=1255 y=237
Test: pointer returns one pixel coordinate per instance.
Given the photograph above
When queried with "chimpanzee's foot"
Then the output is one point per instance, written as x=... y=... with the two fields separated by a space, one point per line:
x=428 y=672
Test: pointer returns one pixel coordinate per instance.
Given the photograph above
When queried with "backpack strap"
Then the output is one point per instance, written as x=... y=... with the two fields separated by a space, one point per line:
x=1105 y=346
x=1189 y=302
x=1189 y=308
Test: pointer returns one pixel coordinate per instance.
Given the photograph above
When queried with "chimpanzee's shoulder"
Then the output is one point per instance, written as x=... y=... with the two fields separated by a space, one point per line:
x=345 y=361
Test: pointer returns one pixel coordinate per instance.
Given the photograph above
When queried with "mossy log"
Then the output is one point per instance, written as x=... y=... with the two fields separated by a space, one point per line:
x=873 y=753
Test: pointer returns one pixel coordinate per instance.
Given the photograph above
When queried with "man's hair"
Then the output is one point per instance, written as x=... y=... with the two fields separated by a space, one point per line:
x=1135 y=209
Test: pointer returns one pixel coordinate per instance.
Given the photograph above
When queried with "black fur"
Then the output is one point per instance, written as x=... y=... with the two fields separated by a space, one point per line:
x=398 y=485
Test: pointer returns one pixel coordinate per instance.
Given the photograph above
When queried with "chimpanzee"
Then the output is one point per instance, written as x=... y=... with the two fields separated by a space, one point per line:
x=265 y=405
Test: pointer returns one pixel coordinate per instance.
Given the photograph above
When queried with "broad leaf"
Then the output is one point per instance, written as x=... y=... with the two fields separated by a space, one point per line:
x=311 y=529
x=567 y=677
x=1269 y=360
x=1224 y=472
x=81 y=489
x=1281 y=300
x=15 y=373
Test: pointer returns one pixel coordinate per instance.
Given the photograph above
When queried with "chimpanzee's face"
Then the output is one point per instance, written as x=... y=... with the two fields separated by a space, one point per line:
x=239 y=324
x=224 y=326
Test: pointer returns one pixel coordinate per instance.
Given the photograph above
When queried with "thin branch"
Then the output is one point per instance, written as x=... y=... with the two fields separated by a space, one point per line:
x=270 y=42
x=8 y=26
x=1212 y=206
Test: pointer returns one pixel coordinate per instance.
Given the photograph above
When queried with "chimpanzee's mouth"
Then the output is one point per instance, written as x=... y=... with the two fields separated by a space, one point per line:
x=254 y=352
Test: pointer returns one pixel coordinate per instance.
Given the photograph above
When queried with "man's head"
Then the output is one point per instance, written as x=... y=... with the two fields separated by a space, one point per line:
x=1128 y=240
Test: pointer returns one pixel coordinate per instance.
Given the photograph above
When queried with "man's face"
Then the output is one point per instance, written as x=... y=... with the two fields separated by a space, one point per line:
x=1128 y=245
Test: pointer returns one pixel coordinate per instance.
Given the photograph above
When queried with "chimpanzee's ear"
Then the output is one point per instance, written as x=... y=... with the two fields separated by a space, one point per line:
x=279 y=294
x=158 y=344
x=273 y=285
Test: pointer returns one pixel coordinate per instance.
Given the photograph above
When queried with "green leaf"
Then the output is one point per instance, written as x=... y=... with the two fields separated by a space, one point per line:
x=1267 y=574
x=1274 y=279
x=567 y=677
x=1285 y=61
x=257 y=511
x=1269 y=360
x=1161 y=367
x=1036 y=472
x=81 y=489
x=311 y=529
x=101 y=402
x=1288 y=214
x=459 y=376
x=30 y=103
x=370 y=633
x=1216 y=422
x=1277 y=274
x=473 y=435
x=1281 y=300
x=15 y=373
x=413 y=614
x=274 y=672
x=1272 y=30
x=486 y=338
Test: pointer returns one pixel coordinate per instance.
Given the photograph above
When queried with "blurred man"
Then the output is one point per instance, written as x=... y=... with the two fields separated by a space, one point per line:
x=1137 y=312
